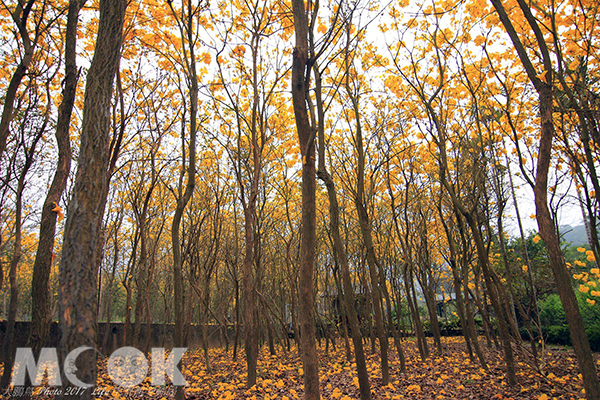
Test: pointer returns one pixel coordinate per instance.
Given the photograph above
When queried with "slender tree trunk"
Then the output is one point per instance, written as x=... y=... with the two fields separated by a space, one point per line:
x=548 y=234
x=430 y=303
x=546 y=223
x=147 y=302
x=22 y=11
x=109 y=290
x=301 y=68
x=40 y=294
x=413 y=305
x=348 y=298
x=270 y=340
x=481 y=304
x=250 y=312
x=373 y=266
x=237 y=320
x=184 y=196
x=8 y=347
x=127 y=282
x=340 y=255
x=369 y=312
x=204 y=312
x=367 y=237
x=141 y=284
x=501 y=317
x=1 y=276
x=343 y=317
x=395 y=334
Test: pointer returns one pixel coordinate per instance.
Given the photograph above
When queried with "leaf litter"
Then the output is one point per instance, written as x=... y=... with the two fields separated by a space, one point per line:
x=451 y=375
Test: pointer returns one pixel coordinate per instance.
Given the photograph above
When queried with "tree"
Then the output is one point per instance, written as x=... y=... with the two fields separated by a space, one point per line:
x=339 y=249
x=249 y=114
x=543 y=84
x=470 y=162
x=82 y=237
x=353 y=92
x=301 y=72
x=188 y=36
x=29 y=149
x=32 y=24
x=40 y=307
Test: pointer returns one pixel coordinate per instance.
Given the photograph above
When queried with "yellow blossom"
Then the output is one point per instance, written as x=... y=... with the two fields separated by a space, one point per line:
x=584 y=289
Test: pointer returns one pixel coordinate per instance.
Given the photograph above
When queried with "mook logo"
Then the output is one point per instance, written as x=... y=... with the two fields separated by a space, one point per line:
x=127 y=367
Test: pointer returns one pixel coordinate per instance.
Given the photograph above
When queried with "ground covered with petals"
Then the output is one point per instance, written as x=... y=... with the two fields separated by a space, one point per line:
x=450 y=375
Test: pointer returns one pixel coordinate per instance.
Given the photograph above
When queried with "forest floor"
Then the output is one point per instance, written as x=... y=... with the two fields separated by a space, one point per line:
x=450 y=375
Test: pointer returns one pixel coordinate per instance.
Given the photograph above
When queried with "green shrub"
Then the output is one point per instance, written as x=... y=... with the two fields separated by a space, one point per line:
x=593 y=334
x=552 y=312
x=554 y=320
x=557 y=334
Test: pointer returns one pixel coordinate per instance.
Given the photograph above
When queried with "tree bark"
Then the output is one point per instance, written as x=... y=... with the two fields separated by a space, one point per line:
x=548 y=234
x=412 y=305
x=349 y=311
x=78 y=274
x=348 y=290
x=8 y=347
x=367 y=237
x=467 y=328
x=546 y=223
x=301 y=67
x=40 y=294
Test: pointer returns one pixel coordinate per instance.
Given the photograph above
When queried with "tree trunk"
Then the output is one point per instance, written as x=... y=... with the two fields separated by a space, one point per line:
x=367 y=237
x=546 y=224
x=395 y=334
x=40 y=295
x=300 y=85
x=184 y=196
x=348 y=298
x=8 y=347
x=430 y=302
x=547 y=230
x=501 y=317
x=127 y=281
x=109 y=294
x=412 y=305
x=20 y=72
x=248 y=282
x=237 y=320
x=78 y=274
x=343 y=316
x=373 y=266
x=141 y=280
